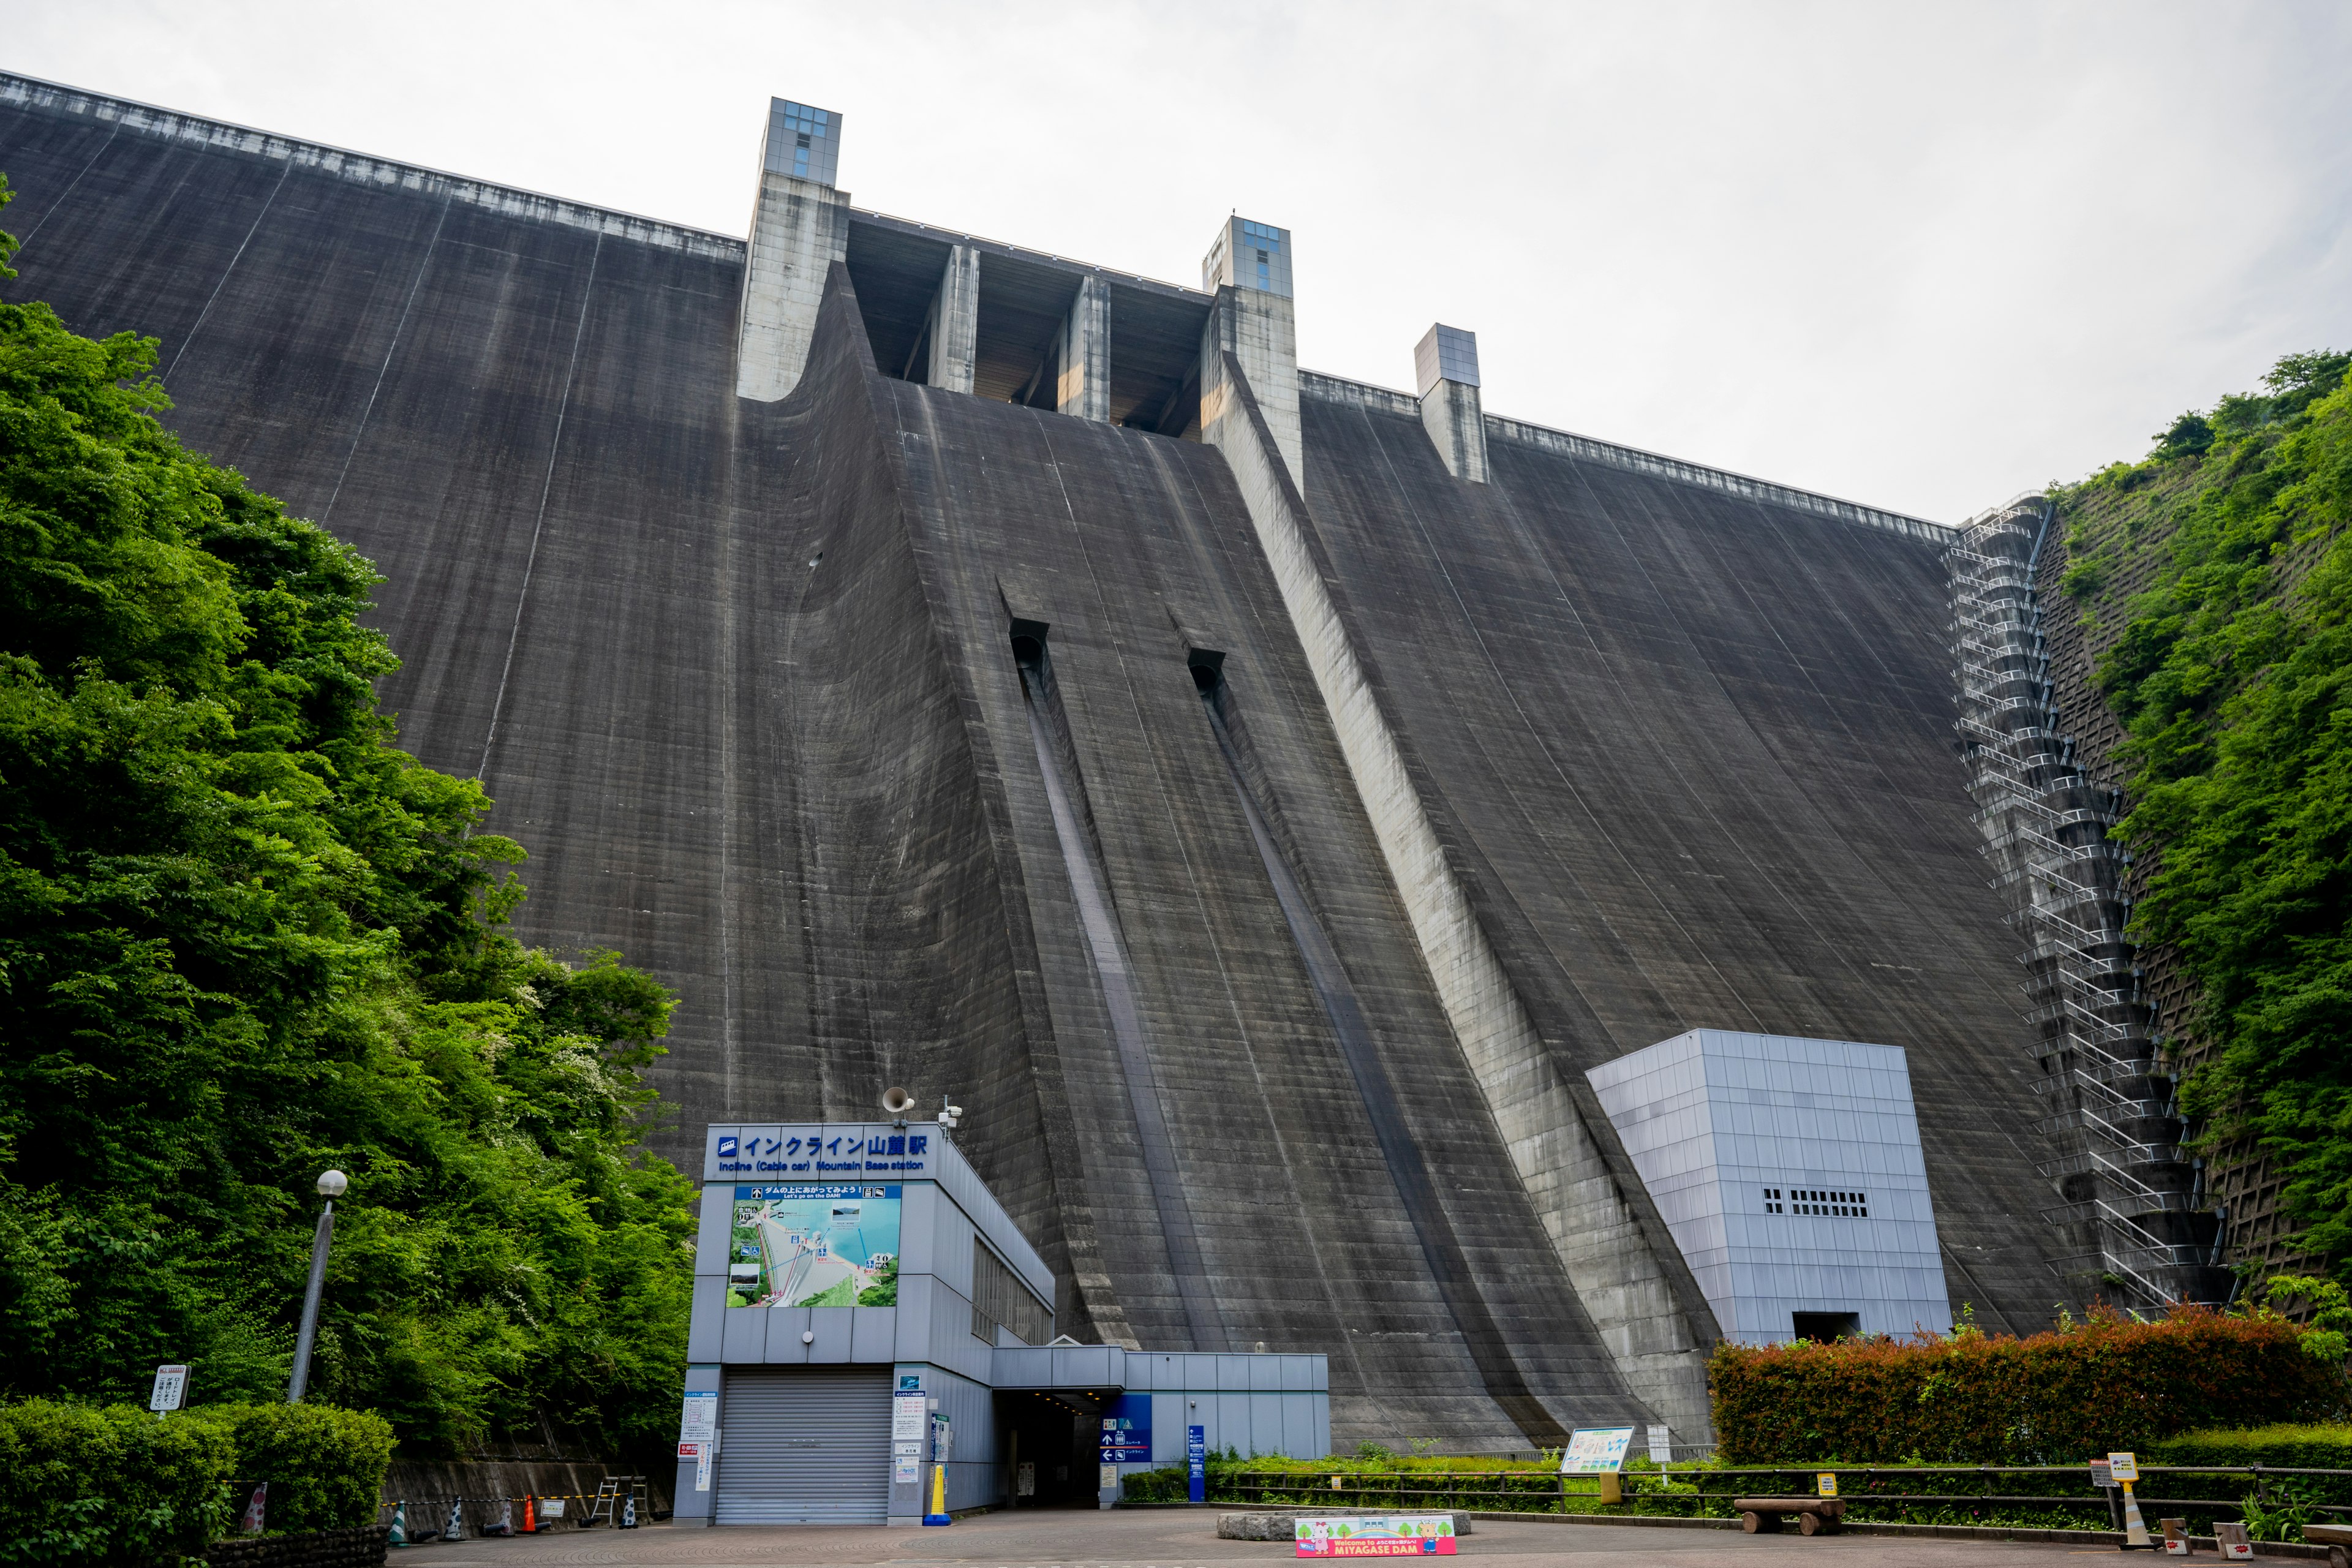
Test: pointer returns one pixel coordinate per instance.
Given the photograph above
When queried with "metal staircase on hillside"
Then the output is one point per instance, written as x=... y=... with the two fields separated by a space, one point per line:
x=2131 y=1197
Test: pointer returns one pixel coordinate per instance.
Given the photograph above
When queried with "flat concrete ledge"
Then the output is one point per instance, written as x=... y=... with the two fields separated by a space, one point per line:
x=1274 y=1524
x=1935 y=1531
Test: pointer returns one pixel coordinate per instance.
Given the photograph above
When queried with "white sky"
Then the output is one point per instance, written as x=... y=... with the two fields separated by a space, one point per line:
x=1923 y=257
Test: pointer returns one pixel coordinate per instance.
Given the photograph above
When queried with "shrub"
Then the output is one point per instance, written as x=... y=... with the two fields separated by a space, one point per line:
x=2317 y=1447
x=109 y=1484
x=2054 y=1398
x=324 y=1465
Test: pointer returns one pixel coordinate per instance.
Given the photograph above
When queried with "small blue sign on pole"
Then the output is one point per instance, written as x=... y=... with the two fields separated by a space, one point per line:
x=1196 y=1461
x=1126 y=1431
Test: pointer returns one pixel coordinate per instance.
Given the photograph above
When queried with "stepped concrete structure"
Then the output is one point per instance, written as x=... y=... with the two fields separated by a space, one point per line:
x=1259 y=799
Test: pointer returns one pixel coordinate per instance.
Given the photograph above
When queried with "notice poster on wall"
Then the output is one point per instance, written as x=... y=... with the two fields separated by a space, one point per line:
x=813 y=1244
x=1399 y=1535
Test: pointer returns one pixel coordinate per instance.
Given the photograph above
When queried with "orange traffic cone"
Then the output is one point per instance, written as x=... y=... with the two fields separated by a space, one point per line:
x=530 y=1516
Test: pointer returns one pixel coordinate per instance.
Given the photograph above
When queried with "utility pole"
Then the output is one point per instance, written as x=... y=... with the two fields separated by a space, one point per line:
x=330 y=1187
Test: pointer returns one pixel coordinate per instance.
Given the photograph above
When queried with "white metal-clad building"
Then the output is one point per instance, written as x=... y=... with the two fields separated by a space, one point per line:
x=848 y=1274
x=1790 y=1173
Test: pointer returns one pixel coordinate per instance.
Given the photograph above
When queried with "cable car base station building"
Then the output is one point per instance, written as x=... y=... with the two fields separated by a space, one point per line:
x=843 y=1272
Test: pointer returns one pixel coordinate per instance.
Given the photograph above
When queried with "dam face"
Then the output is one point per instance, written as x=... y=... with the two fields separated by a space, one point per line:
x=1256 y=798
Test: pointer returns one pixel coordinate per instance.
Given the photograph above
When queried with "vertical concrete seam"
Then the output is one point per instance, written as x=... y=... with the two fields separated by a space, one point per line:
x=539 y=521
x=392 y=348
x=71 y=185
x=198 y=324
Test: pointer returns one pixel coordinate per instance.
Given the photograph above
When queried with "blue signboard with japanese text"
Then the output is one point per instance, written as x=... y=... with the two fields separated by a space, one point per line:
x=1196 y=1462
x=820 y=1153
x=1127 y=1430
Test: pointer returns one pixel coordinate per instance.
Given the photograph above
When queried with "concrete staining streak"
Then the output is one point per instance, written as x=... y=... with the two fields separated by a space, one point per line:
x=252 y=230
x=67 y=194
x=359 y=432
x=1115 y=975
x=539 y=516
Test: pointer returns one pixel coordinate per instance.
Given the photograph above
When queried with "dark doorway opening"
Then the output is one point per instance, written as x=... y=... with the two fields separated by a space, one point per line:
x=1823 y=1327
x=1054 y=1437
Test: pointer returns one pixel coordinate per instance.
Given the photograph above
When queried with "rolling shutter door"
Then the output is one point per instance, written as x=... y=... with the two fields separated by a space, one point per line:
x=804 y=1447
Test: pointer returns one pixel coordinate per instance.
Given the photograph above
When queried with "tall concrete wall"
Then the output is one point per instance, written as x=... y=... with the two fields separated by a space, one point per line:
x=1690 y=757
x=739 y=673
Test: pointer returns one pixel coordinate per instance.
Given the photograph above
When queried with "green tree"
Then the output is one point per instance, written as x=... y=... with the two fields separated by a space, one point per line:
x=2232 y=673
x=243 y=937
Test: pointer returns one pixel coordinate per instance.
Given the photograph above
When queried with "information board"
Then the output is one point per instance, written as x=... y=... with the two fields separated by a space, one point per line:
x=699 y=1423
x=1595 y=1450
x=171 y=1388
x=1126 y=1431
x=815 y=1244
x=1396 y=1535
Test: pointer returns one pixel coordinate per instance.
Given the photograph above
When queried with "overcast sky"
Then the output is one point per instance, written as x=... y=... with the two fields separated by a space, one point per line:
x=1920 y=256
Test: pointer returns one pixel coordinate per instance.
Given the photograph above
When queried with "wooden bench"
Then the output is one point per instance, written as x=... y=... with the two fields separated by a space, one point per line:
x=1815 y=1515
x=2336 y=1538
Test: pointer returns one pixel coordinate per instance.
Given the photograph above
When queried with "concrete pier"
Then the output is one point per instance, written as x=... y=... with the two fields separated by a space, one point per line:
x=1445 y=369
x=799 y=229
x=953 y=329
x=1248 y=270
x=1084 y=388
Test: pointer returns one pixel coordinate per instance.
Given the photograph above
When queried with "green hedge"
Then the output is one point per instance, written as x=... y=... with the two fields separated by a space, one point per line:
x=111 y=1484
x=2054 y=1398
x=324 y=1465
x=92 y=1485
x=2319 y=1447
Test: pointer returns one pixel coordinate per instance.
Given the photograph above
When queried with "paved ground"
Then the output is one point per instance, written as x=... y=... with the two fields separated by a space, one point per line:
x=1188 y=1540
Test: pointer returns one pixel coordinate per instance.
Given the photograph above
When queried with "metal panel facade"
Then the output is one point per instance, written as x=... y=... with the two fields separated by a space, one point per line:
x=1790 y=1174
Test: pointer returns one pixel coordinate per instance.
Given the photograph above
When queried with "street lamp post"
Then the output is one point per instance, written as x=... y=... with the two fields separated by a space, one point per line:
x=330 y=1187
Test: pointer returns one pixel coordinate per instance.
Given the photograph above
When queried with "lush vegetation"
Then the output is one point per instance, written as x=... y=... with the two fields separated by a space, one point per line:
x=243 y=937
x=90 y=1484
x=2088 y=1386
x=2232 y=672
x=2318 y=1446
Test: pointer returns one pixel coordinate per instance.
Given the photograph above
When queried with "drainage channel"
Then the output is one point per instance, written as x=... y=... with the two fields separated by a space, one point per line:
x=1439 y=1247
x=1049 y=731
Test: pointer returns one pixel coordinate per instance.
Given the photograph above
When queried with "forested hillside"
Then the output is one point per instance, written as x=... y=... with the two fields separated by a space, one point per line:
x=244 y=938
x=2215 y=577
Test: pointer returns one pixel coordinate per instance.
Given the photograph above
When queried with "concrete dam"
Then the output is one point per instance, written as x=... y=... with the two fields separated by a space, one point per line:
x=1257 y=798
